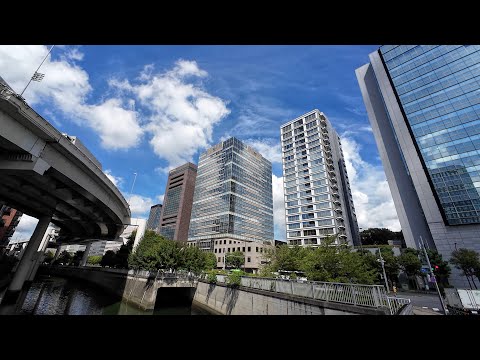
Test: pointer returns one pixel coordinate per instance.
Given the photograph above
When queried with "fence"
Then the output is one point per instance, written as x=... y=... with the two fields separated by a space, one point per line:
x=373 y=296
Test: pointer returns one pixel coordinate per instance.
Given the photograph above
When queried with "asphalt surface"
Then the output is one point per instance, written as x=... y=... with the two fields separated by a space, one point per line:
x=422 y=301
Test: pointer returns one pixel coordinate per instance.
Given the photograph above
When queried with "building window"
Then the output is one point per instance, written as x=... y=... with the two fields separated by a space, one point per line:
x=309 y=232
x=224 y=242
x=219 y=259
x=215 y=251
x=248 y=259
x=223 y=249
x=228 y=250
x=243 y=249
x=256 y=249
x=261 y=250
x=249 y=249
x=238 y=248
x=229 y=241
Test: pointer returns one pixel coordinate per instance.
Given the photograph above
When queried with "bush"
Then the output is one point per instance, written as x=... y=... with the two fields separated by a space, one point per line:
x=234 y=279
x=94 y=259
x=212 y=276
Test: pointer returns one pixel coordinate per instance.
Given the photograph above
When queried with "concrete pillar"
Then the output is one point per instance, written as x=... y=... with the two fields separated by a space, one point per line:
x=85 y=255
x=25 y=263
x=38 y=257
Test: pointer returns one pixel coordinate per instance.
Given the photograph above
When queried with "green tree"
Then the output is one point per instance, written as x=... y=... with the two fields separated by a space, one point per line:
x=48 y=257
x=94 y=259
x=64 y=258
x=379 y=236
x=441 y=268
x=109 y=259
x=235 y=259
x=410 y=264
x=286 y=258
x=467 y=261
x=192 y=259
x=337 y=263
x=124 y=252
x=155 y=252
x=391 y=263
x=210 y=260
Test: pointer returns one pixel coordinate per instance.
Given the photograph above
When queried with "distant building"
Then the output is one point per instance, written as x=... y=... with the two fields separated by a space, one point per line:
x=99 y=248
x=9 y=219
x=318 y=199
x=233 y=199
x=153 y=222
x=177 y=202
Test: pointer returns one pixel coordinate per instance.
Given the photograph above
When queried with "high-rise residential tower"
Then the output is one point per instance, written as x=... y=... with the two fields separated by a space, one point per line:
x=153 y=222
x=423 y=102
x=233 y=202
x=318 y=199
x=177 y=203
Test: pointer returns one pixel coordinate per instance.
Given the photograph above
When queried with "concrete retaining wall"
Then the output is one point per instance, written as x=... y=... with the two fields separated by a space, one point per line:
x=138 y=291
x=247 y=301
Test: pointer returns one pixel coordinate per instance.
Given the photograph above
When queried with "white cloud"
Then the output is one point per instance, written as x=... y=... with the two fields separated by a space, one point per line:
x=116 y=180
x=140 y=205
x=66 y=85
x=74 y=54
x=278 y=207
x=181 y=113
x=270 y=148
x=371 y=195
x=160 y=198
x=25 y=227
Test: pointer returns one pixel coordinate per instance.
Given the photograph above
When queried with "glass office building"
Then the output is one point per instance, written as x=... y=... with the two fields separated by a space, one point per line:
x=318 y=199
x=424 y=105
x=233 y=196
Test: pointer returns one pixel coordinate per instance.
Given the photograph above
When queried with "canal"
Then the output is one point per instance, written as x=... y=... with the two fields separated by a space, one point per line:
x=49 y=295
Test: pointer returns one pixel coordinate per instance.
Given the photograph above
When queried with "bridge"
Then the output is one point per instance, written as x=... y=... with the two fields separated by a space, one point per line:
x=53 y=177
x=254 y=296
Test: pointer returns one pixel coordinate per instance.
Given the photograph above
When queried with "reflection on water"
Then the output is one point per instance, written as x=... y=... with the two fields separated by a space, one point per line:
x=59 y=296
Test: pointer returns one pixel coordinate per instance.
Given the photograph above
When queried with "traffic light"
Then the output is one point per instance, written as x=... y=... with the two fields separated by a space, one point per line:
x=434 y=268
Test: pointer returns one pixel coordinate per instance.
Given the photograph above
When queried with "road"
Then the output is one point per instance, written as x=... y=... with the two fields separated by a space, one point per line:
x=427 y=302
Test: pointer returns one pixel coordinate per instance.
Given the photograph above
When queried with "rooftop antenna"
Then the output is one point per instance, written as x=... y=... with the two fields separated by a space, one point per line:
x=36 y=75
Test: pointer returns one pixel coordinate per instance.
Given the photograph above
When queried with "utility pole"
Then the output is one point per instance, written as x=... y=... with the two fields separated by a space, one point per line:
x=445 y=311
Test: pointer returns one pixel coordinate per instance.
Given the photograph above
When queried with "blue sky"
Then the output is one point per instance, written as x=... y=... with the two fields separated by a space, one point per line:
x=147 y=109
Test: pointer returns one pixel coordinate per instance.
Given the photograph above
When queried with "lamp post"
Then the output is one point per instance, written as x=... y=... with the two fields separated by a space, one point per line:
x=131 y=190
x=383 y=268
x=36 y=75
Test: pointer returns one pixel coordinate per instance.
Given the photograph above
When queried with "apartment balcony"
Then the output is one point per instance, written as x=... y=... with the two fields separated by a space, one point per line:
x=337 y=202
x=334 y=186
x=336 y=194
x=341 y=227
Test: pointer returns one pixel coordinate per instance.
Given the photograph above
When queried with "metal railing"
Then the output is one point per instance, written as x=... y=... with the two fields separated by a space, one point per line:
x=396 y=304
x=372 y=296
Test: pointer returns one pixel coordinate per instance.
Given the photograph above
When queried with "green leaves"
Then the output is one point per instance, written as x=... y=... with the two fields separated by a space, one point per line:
x=155 y=252
x=235 y=259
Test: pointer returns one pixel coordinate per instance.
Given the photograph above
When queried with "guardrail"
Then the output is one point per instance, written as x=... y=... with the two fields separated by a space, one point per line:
x=373 y=296
x=396 y=305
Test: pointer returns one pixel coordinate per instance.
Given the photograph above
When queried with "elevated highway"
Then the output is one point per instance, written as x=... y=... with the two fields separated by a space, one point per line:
x=53 y=177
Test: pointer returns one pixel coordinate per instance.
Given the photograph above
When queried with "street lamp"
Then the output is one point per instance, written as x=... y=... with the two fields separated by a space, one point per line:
x=381 y=261
x=36 y=75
